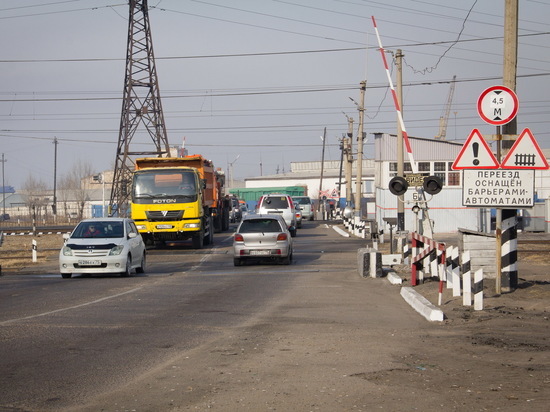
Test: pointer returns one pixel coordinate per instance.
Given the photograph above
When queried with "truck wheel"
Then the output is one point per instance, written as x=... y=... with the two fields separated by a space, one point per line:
x=225 y=220
x=209 y=239
x=198 y=240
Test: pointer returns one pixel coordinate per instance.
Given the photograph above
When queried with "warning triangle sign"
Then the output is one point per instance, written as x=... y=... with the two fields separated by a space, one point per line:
x=475 y=154
x=525 y=154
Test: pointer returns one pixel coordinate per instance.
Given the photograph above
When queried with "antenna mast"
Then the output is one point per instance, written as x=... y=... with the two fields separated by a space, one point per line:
x=140 y=105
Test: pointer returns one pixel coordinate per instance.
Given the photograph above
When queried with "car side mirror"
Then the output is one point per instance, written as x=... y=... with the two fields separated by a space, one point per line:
x=132 y=235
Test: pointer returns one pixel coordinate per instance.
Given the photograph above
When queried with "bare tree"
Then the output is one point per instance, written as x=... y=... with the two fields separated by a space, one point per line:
x=74 y=186
x=35 y=196
x=65 y=194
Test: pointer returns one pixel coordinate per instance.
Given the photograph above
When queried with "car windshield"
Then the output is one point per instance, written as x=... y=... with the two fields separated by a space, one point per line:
x=260 y=226
x=164 y=183
x=279 y=202
x=99 y=229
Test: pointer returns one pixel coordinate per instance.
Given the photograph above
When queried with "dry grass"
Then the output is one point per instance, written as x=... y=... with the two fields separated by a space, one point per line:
x=16 y=250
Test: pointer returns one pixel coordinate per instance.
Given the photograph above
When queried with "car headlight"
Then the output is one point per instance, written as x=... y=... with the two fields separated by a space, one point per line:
x=67 y=251
x=117 y=250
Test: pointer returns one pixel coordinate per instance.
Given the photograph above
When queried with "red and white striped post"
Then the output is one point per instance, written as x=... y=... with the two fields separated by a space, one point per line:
x=396 y=102
x=429 y=245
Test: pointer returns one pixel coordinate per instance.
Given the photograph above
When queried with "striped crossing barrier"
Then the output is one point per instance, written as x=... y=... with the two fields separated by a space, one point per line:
x=422 y=248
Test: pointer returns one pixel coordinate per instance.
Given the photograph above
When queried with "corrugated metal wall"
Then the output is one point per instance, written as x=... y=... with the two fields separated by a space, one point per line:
x=385 y=146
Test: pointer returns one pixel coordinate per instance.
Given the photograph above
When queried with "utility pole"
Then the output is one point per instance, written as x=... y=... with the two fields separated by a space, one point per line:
x=230 y=171
x=349 y=162
x=3 y=190
x=400 y=160
x=360 y=138
x=341 y=169
x=324 y=138
x=261 y=166
x=509 y=278
x=140 y=105
x=54 y=204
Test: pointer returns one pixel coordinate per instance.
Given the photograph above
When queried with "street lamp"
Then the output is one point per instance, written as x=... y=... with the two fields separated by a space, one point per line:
x=231 y=170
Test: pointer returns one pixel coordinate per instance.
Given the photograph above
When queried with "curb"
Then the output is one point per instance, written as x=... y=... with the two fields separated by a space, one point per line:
x=394 y=278
x=421 y=304
x=341 y=231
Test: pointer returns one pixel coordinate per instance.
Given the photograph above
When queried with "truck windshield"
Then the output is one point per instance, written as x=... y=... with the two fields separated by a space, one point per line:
x=166 y=183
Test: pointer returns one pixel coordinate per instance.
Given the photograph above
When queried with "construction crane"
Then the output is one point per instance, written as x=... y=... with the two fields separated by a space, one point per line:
x=444 y=119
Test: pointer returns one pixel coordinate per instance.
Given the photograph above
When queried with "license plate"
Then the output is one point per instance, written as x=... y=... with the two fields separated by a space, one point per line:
x=89 y=262
x=260 y=252
x=164 y=226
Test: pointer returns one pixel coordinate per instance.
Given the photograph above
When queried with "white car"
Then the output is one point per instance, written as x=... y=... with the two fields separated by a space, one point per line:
x=305 y=205
x=282 y=205
x=103 y=245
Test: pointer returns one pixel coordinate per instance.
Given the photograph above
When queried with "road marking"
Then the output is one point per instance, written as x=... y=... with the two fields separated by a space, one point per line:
x=71 y=307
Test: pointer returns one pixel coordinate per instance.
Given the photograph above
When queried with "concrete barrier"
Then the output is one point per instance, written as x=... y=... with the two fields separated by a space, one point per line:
x=422 y=305
x=369 y=262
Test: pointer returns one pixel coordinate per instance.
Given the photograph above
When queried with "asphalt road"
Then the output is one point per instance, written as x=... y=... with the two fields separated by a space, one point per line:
x=63 y=342
x=196 y=333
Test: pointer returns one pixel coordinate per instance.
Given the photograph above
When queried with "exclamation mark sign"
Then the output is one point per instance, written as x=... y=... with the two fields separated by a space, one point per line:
x=475 y=148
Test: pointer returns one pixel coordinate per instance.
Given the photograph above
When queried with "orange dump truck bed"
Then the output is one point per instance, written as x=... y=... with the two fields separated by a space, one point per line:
x=204 y=166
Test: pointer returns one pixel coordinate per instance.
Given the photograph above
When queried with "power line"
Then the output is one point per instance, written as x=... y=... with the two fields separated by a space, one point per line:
x=434 y=67
x=280 y=53
x=261 y=90
x=61 y=11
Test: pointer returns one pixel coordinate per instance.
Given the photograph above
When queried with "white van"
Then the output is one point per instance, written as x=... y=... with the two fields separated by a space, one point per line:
x=282 y=205
x=305 y=205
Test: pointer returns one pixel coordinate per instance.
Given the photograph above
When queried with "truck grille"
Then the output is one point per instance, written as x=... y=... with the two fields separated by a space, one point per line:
x=164 y=215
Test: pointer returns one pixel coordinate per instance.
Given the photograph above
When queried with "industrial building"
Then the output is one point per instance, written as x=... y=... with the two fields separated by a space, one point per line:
x=434 y=158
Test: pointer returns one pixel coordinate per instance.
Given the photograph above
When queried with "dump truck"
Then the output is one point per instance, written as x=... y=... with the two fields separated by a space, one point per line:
x=178 y=198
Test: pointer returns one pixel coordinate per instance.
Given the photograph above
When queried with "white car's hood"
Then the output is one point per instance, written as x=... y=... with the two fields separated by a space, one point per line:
x=95 y=241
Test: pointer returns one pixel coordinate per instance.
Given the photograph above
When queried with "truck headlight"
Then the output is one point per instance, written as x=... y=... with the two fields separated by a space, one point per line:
x=192 y=225
x=141 y=227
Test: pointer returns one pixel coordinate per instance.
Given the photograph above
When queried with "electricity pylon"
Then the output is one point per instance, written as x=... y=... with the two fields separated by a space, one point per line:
x=140 y=106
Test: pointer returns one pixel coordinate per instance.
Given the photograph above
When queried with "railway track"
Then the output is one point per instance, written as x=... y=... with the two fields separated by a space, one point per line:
x=29 y=230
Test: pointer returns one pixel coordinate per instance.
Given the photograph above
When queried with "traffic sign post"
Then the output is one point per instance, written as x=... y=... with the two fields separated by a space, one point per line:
x=498 y=105
x=491 y=183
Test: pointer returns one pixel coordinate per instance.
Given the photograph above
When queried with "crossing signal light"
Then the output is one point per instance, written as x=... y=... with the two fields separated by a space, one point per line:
x=432 y=185
x=398 y=185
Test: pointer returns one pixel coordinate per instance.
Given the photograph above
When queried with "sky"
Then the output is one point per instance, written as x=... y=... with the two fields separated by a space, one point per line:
x=252 y=84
